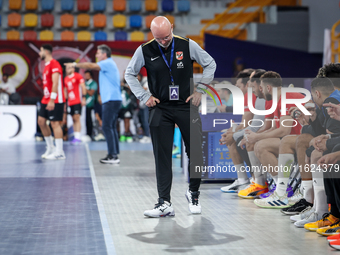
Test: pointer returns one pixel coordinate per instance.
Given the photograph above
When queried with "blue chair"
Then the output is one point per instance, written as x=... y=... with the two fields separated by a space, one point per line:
x=135 y=5
x=168 y=5
x=100 y=36
x=183 y=6
x=135 y=21
x=67 y=5
x=47 y=5
x=121 y=36
x=99 y=5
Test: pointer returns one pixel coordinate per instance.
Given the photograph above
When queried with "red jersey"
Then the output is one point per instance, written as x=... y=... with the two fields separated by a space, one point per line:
x=246 y=108
x=72 y=83
x=268 y=105
x=50 y=68
x=277 y=113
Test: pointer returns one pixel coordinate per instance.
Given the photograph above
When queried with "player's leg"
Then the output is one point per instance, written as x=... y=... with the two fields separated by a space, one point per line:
x=45 y=130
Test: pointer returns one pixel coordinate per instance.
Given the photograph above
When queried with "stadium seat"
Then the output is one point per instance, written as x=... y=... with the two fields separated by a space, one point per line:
x=46 y=35
x=83 y=5
x=148 y=20
x=99 y=20
x=14 y=20
x=47 y=5
x=47 y=20
x=137 y=36
x=119 y=5
x=151 y=5
x=30 y=35
x=84 y=36
x=100 y=36
x=171 y=19
x=135 y=5
x=119 y=21
x=183 y=6
x=149 y=36
x=99 y=5
x=14 y=5
x=13 y=35
x=135 y=21
x=83 y=20
x=67 y=5
x=67 y=36
x=168 y=5
x=31 y=5
x=121 y=36
x=30 y=20
x=66 y=20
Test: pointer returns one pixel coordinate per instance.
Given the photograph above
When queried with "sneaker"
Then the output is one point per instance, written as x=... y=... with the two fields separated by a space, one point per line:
x=333 y=238
x=327 y=220
x=273 y=201
x=271 y=191
x=335 y=244
x=312 y=218
x=49 y=150
x=162 y=209
x=235 y=187
x=56 y=155
x=122 y=138
x=296 y=197
x=75 y=141
x=145 y=139
x=129 y=139
x=194 y=203
x=297 y=208
x=110 y=160
x=253 y=191
x=290 y=191
x=303 y=215
x=331 y=230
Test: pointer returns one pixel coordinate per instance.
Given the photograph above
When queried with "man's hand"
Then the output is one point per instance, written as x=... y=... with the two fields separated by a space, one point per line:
x=196 y=98
x=333 y=110
x=301 y=118
x=243 y=143
x=227 y=138
x=50 y=105
x=319 y=142
x=152 y=101
x=70 y=64
x=250 y=136
x=329 y=159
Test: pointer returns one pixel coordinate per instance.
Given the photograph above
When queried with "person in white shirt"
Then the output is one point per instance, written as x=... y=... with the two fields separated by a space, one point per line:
x=6 y=89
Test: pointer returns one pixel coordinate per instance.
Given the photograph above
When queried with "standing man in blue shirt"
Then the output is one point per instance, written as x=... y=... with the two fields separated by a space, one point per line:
x=109 y=85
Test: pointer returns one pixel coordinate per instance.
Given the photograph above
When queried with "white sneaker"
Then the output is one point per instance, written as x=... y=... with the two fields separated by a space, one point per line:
x=273 y=201
x=49 y=150
x=162 y=209
x=56 y=155
x=234 y=187
x=303 y=215
x=194 y=203
x=145 y=139
x=312 y=218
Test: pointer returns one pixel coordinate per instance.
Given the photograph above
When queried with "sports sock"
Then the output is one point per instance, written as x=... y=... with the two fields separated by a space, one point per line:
x=307 y=189
x=260 y=177
x=49 y=141
x=77 y=135
x=59 y=145
x=320 y=204
x=285 y=163
x=241 y=174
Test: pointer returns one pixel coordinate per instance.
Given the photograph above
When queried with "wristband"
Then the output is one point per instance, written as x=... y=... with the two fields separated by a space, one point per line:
x=53 y=95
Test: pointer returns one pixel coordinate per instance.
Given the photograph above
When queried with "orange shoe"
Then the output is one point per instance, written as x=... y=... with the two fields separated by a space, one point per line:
x=333 y=238
x=253 y=191
x=327 y=220
x=335 y=244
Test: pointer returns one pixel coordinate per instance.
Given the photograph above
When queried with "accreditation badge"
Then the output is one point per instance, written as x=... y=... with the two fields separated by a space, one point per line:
x=173 y=92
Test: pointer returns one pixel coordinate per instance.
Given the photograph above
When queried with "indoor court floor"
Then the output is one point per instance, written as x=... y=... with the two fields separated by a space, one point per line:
x=79 y=206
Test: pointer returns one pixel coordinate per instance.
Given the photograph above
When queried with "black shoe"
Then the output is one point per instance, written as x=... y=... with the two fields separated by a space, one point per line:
x=109 y=159
x=297 y=207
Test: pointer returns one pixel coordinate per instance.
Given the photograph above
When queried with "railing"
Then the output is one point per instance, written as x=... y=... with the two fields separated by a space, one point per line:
x=335 y=43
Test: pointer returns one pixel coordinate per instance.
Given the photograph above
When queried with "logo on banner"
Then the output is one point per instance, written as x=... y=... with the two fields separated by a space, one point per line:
x=179 y=55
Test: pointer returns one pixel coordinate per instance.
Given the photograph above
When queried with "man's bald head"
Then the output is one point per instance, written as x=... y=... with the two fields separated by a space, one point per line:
x=161 y=29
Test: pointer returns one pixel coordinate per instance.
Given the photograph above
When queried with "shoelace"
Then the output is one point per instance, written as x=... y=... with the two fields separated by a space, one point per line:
x=335 y=223
x=325 y=216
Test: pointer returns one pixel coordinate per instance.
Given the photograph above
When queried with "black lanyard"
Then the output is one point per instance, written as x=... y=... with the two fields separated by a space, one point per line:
x=171 y=58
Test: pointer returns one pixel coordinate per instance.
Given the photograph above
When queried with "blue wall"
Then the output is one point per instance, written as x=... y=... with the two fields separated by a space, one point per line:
x=288 y=63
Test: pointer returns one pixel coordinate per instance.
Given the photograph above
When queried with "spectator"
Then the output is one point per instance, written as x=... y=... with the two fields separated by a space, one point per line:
x=7 y=90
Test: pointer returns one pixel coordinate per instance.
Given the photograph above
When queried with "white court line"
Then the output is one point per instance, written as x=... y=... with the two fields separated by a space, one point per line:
x=105 y=225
